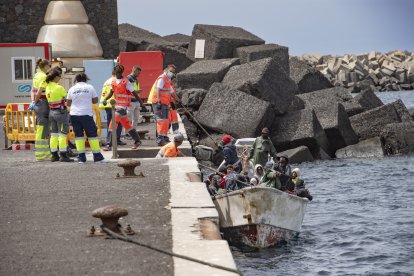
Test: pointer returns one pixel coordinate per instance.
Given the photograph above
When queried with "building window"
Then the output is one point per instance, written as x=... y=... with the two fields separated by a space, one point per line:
x=22 y=68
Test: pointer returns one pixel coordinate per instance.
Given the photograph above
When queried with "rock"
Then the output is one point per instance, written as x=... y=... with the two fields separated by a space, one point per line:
x=398 y=138
x=402 y=111
x=180 y=38
x=370 y=123
x=370 y=148
x=206 y=140
x=331 y=96
x=204 y=153
x=308 y=79
x=192 y=97
x=335 y=122
x=300 y=128
x=231 y=111
x=191 y=129
x=297 y=155
x=127 y=46
x=142 y=38
x=256 y=52
x=220 y=41
x=263 y=79
x=203 y=73
x=173 y=54
x=296 y=104
x=411 y=111
x=368 y=100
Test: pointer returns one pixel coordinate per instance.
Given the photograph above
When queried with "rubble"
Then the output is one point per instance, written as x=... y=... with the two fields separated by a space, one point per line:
x=263 y=79
x=373 y=71
x=306 y=77
x=203 y=73
x=300 y=128
x=220 y=41
x=246 y=117
x=370 y=148
x=297 y=155
x=256 y=52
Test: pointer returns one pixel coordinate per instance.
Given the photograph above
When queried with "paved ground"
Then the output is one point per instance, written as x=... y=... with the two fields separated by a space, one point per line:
x=46 y=213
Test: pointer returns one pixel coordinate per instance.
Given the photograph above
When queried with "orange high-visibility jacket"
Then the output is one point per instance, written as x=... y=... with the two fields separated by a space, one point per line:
x=121 y=93
x=169 y=150
x=165 y=91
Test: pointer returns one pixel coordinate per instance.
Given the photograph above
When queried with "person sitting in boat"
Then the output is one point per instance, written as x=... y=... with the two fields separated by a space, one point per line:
x=270 y=177
x=215 y=185
x=230 y=154
x=258 y=174
x=284 y=170
x=229 y=182
x=299 y=185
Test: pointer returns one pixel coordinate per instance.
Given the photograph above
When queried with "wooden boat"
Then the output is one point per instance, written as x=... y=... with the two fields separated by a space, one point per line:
x=259 y=216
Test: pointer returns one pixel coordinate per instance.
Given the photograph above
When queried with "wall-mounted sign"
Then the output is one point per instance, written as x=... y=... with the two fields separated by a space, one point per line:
x=199 y=48
x=24 y=88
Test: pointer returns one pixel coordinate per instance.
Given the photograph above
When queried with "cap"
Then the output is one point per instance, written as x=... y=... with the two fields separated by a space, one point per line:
x=265 y=130
x=297 y=171
x=226 y=139
x=178 y=138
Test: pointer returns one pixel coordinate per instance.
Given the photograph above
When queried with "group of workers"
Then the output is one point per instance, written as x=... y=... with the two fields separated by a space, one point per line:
x=55 y=109
x=278 y=175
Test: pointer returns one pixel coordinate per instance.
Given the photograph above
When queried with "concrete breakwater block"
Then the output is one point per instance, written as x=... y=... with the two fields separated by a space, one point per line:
x=370 y=148
x=192 y=97
x=173 y=54
x=140 y=37
x=227 y=110
x=368 y=100
x=178 y=38
x=307 y=78
x=220 y=41
x=335 y=122
x=300 y=128
x=203 y=73
x=402 y=111
x=370 y=123
x=256 y=52
x=398 y=138
x=297 y=155
x=333 y=95
x=263 y=79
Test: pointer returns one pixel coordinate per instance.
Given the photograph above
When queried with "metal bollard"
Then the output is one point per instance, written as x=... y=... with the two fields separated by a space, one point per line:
x=114 y=138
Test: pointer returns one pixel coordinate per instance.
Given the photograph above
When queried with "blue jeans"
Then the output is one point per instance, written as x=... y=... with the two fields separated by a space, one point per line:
x=118 y=130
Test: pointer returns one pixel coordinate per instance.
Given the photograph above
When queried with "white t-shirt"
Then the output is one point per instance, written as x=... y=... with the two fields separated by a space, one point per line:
x=81 y=95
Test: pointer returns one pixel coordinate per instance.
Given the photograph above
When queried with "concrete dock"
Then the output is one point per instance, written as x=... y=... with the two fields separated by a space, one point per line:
x=47 y=215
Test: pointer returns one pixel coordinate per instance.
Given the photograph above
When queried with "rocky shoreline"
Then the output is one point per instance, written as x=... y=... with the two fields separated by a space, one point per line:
x=243 y=84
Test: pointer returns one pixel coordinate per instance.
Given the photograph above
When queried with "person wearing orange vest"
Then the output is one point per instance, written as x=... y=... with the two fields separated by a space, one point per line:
x=173 y=116
x=171 y=149
x=41 y=108
x=161 y=99
x=122 y=89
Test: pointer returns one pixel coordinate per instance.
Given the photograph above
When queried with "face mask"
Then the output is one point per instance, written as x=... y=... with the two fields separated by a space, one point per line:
x=170 y=75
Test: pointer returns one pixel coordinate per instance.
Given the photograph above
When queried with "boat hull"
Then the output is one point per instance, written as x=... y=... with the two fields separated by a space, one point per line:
x=257 y=235
x=260 y=217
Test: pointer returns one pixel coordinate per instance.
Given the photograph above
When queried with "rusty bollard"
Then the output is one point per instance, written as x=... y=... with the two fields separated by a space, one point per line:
x=110 y=216
x=129 y=168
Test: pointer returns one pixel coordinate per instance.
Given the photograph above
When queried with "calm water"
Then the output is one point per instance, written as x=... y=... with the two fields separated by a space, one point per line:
x=361 y=221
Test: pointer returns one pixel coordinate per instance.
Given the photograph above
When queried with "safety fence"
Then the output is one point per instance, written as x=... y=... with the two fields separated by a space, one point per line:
x=20 y=123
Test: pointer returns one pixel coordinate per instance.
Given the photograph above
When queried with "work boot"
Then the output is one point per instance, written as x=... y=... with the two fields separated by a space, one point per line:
x=55 y=157
x=81 y=158
x=121 y=143
x=64 y=157
x=134 y=134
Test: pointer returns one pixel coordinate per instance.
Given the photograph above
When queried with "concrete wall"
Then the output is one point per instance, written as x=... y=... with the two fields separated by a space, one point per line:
x=20 y=22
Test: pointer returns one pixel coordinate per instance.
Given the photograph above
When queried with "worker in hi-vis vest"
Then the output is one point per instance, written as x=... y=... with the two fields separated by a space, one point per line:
x=134 y=108
x=58 y=116
x=161 y=103
x=108 y=110
x=41 y=108
x=173 y=116
x=123 y=89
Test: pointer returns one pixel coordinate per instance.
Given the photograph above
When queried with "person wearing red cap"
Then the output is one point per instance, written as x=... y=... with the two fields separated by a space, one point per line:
x=230 y=154
x=262 y=148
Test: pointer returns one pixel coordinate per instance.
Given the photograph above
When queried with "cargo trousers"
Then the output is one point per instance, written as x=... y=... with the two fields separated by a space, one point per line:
x=42 y=150
x=59 y=125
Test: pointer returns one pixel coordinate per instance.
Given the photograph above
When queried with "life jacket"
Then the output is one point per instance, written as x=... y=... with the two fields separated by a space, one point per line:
x=55 y=95
x=105 y=91
x=121 y=94
x=165 y=91
x=39 y=83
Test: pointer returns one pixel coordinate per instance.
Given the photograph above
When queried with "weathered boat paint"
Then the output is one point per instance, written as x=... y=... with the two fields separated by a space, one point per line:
x=260 y=216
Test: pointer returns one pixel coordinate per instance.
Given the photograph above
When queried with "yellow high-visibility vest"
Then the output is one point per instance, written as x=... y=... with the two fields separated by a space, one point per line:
x=107 y=86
